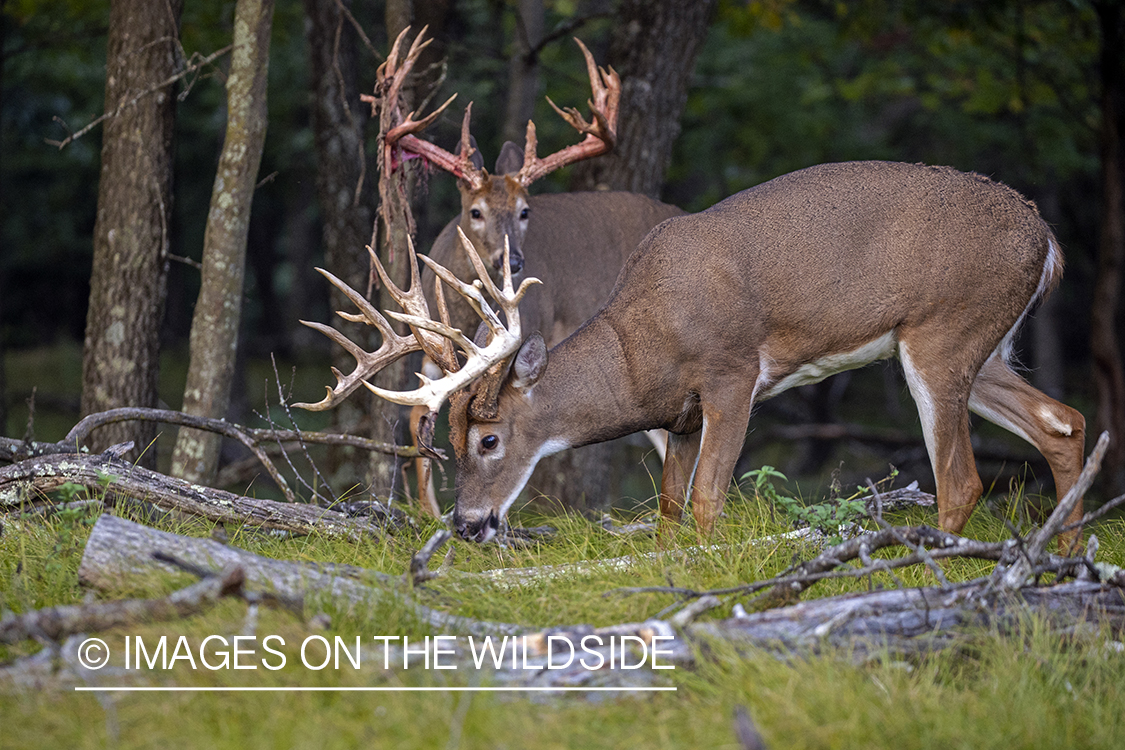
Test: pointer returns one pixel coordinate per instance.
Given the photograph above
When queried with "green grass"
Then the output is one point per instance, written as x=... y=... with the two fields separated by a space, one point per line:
x=1035 y=690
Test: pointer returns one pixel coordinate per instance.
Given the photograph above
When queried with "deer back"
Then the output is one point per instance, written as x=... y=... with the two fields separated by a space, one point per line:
x=575 y=244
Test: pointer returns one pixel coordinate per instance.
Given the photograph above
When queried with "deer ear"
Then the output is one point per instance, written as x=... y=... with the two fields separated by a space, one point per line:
x=530 y=362
x=476 y=159
x=511 y=159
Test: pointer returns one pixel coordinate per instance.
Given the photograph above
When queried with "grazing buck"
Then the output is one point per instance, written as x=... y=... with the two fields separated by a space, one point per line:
x=576 y=243
x=815 y=272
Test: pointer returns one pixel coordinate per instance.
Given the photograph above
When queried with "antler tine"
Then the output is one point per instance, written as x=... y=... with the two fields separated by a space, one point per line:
x=413 y=301
x=367 y=363
x=449 y=361
x=601 y=134
x=503 y=342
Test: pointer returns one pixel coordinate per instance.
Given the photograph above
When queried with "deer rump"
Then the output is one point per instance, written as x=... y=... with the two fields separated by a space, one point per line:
x=812 y=273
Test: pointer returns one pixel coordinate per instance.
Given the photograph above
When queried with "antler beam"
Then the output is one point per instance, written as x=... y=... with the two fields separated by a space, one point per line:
x=436 y=338
x=601 y=134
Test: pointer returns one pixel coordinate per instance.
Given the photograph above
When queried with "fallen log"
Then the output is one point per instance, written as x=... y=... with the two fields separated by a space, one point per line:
x=106 y=475
x=916 y=620
x=118 y=547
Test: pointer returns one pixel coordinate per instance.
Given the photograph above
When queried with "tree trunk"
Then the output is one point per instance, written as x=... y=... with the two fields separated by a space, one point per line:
x=523 y=69
x=214 y=327
x=653 y=49
x=345 y=204
x=1109 y=371
x=120 y=361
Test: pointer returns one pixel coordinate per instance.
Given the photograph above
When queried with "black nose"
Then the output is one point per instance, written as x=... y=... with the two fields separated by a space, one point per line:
x=476 y=531
x=515 y=262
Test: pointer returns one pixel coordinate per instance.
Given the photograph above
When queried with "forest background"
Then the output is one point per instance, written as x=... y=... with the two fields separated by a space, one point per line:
x=1029 y=93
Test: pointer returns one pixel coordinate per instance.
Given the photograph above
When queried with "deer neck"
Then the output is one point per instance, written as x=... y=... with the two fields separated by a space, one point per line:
x=586 y=395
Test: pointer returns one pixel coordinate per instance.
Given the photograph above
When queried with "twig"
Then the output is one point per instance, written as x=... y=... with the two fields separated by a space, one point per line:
x=419 y=563
x=150 y=90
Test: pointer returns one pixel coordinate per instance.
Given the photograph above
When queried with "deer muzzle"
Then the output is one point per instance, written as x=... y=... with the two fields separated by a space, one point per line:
x=476 y=527
x=515 y=260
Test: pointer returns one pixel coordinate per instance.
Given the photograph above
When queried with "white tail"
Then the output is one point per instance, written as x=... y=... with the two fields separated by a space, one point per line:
x=813 y=273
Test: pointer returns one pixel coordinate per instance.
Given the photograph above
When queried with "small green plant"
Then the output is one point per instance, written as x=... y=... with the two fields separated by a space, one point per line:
x=826 y=517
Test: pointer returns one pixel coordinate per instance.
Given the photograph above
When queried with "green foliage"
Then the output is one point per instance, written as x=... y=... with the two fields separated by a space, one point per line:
x=828 y=516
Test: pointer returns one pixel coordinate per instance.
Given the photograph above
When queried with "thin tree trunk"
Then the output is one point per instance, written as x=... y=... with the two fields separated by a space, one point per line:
x=523 y=69
x=128 y=285
x=345 y=213
x=653 y=49
x=1109 y=371
x=214 y=327
x=389 y=420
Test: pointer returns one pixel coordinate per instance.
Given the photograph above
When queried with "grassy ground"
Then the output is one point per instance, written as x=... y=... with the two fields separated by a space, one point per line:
x=1035 y=690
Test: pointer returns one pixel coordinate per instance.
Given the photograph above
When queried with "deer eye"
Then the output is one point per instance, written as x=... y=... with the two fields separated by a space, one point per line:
x=524 y=214
x=489 y=442
x=475 y=213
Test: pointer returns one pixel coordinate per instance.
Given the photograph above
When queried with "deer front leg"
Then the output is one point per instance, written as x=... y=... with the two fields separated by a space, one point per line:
x=724 y=431
x=679 y=464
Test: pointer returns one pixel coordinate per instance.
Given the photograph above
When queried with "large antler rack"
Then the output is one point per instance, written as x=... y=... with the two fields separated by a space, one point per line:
x=400 y=135
x=436 y=339
x=601 y=132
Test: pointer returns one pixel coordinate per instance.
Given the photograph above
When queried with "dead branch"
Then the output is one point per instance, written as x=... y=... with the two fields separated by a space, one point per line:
x=914 y=620
x=197 y=65
x=26 y=483
x=55 y=624
x=257 y=440
x=118 y=547
x=420 y=562
x=18 y=450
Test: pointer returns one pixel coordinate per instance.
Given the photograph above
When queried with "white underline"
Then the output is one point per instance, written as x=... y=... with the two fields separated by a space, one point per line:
x=129 y=689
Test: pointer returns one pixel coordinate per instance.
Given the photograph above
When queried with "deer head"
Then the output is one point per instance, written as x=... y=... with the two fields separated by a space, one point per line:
x=495 y=206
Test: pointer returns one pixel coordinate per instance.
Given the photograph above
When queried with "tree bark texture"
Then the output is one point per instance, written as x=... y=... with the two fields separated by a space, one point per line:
x=120 y=361
x=106 y=477
x=1105 y=347
x=214 y=328
x=653 y=48
x=523 y=69
x=345 y=204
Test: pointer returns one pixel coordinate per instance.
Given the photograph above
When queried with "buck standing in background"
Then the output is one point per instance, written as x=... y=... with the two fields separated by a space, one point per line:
x=813 y=273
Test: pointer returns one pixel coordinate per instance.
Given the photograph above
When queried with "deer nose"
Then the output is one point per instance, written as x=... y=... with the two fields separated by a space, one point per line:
x=515 y=261
x=479 y=530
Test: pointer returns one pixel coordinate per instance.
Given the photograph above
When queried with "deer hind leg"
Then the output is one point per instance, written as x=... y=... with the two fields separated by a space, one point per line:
x=942 y=396
x=423 y=468
x=659 y=440
x=1056 y=430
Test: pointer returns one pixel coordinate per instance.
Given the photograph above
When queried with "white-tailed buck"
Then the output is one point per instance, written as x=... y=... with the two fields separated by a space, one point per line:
x=815 y=272
x=575 y=243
